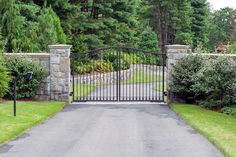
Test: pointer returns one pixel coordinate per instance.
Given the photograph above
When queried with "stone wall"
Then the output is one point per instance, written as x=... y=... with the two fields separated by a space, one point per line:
x=56 y=86
x=111 y=77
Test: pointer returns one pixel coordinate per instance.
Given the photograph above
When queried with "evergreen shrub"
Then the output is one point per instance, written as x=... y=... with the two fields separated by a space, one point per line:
x=18 y=66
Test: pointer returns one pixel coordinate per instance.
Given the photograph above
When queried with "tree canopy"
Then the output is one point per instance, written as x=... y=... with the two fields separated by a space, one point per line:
x=31 y=25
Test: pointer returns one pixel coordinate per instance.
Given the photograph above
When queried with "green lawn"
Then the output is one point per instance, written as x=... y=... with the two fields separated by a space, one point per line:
x=28 y=115
x=159 y=87
x=84 y=89
x=142 y=77
x=219 y=128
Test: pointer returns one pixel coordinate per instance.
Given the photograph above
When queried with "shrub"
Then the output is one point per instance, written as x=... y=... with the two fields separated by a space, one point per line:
x=112 y=58
x=18 y=66
x=217 y=82
x=183 y=76
x=88 y=66
x=82 y=66
x=133 y=58
x=4 y=78
x=102 y=66
x=229 y=110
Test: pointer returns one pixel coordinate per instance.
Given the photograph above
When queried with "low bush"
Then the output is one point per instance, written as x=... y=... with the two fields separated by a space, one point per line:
x=132 y=58
x=184 y=75
x=229 y=110
x=82 y=66
x=102 y=66
x=88 y=66
x=216 y=81
x=18 y=66
x=112 y=58
x=4 y=77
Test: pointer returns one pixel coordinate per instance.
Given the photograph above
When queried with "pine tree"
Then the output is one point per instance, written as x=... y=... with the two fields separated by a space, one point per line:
x=50 y=30
x=200 y=21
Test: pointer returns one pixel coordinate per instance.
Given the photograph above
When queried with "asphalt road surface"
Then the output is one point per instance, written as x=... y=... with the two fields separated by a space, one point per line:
x=111 y=130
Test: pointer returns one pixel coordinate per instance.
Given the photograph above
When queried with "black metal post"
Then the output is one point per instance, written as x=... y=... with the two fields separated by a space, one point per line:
x=14 y=105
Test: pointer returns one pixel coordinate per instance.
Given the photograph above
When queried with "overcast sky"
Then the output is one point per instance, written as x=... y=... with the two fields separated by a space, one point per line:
x=217 y=4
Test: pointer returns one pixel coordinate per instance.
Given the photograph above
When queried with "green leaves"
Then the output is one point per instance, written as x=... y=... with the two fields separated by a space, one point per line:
x=211 y=82
x=4 y=78
x=18 y=66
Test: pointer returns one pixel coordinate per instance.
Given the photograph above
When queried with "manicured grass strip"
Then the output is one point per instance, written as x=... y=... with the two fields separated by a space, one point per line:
x=84 y=90
x=219 y=128
x=142 y=77
x=28 y=115
x=159 y=87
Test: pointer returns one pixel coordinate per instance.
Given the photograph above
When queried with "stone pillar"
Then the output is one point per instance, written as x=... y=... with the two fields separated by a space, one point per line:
x=174 y=53
x=60 y=72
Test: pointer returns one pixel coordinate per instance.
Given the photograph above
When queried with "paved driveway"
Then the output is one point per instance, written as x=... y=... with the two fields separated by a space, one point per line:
x=118 y=130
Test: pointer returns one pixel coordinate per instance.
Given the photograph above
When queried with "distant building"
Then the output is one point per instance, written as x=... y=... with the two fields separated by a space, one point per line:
x=222 y=48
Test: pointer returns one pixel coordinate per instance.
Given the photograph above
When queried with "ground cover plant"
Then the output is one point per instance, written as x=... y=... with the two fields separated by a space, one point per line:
x=28 y=115
x=219 y=128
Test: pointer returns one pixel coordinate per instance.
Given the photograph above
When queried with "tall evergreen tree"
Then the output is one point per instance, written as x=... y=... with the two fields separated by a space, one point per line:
x=200 y=21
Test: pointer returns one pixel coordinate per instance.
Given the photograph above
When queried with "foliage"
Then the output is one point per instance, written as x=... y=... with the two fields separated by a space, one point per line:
x=102 y=66
x=222 y=27
x=146 y=39
x=111 y=57
x=231 y=49
x=82 y=66
x=200 y=21
x=50 y=29
x=2 y=43
x=30 y=25
x=88 y=66
x=4 y=77
x=184 y=74
x=217 y=83
x=26 y=27
x=18 y=66
x=133 y=58
x=229 y=110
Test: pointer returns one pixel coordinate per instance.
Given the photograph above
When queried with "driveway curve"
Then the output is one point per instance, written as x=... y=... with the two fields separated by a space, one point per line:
x=111 y=130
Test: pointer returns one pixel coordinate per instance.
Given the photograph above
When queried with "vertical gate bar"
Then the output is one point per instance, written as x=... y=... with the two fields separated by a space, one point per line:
x=163 y=77
x=145 y=73
x=137 y=89
x=73 y=84
x=90 y=88
x=109 y=83
x=101 y=97
x=159 y=91
x=83 y=86
x=119 y=51
x=77 y=87
x=117 y=73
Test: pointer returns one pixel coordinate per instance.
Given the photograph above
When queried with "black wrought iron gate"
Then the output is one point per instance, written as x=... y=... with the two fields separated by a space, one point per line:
x=118 y=74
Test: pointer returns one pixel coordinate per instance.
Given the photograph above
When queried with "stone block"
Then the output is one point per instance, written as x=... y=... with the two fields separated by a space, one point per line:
x=55 y=59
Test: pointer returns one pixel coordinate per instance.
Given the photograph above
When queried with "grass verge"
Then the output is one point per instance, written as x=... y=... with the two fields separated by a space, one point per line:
x=219 y=128
x=29 y=114
x=83 y=89
x=159 y=87
x=142 y=77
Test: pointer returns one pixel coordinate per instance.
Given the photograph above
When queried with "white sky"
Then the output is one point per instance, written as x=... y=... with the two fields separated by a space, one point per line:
x=217 y=4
